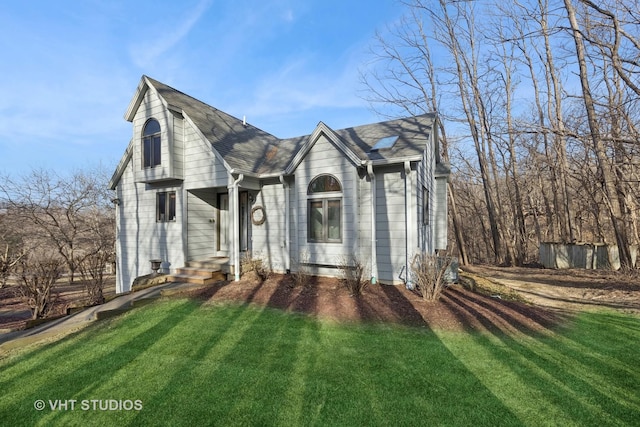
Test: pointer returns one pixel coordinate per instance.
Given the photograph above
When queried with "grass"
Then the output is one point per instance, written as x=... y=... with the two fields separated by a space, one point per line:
x=190 y=364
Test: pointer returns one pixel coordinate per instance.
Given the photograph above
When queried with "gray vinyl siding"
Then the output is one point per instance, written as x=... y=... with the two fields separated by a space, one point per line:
x=139 y=237
x=390 y=223
x=204 y=169
x=178 y=147
x=425 y=171
x=268 y=238
x=325 y=158
x=171 y=136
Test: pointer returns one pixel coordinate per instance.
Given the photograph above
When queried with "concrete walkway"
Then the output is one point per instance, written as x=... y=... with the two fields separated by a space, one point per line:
x=77 y=321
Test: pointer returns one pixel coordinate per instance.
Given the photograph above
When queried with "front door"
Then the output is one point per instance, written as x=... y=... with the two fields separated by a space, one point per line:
x=244 y=221
x=223 y=224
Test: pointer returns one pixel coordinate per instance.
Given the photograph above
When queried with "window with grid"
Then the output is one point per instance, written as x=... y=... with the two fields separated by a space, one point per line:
x=324 y=210
x=151 y=144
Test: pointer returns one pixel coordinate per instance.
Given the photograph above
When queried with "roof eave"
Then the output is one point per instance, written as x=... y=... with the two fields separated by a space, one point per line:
x=395 y=160
x=122 y=165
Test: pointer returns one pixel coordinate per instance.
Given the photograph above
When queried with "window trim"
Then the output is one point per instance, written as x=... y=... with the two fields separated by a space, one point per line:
x=169 y=207
x=310 y=192
x=325 y=197
x=151 y=144
x=325 y=223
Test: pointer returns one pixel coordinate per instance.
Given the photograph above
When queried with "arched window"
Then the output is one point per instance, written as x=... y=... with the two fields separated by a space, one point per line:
x=151 y=147
x=323 y=184
x=324 y=210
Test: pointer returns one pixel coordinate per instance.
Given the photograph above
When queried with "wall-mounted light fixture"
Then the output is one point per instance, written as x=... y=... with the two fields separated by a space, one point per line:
x=116 y=201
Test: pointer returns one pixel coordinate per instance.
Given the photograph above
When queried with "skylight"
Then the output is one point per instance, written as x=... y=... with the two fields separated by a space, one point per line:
x=386 y=142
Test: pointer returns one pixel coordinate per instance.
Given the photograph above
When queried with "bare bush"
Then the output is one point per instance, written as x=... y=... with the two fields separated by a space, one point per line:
x=354 y=272
x=258 y=265
x=428 y=272
x=38 y=277
x=301 y=274
x=92 y=271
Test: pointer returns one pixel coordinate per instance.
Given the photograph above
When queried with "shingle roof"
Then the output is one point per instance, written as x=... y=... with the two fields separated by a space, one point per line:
x=249 y=149
x=413 y=134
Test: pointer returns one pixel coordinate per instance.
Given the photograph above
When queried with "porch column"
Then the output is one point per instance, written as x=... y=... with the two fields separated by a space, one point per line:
x=234 y=211
x=374 y=238
x=408 y=222
x=287 y=226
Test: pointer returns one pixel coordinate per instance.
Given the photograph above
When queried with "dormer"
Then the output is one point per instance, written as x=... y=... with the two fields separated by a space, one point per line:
x=157 y=136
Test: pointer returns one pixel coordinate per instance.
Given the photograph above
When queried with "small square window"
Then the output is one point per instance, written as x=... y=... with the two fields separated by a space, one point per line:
x=166 y=206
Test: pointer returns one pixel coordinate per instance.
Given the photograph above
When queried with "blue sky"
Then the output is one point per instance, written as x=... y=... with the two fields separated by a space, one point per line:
x=69 y=68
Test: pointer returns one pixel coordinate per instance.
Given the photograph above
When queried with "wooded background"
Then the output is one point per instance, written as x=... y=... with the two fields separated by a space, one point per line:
x=539 y=108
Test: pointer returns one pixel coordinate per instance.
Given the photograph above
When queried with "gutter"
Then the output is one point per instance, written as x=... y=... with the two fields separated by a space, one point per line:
x=374 y=238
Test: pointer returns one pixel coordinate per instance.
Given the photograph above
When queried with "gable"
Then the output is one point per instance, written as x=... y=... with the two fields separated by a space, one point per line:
x=326 y=134
x=168 y=163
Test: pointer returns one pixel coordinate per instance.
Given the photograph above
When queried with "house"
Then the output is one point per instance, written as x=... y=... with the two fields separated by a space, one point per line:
x=196 y=183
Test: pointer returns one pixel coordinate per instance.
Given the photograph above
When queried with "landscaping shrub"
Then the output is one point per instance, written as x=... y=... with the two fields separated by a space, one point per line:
x=301 y=274
x=256 y=264
x=428 y=273
x=353 y=271
x=38 y=277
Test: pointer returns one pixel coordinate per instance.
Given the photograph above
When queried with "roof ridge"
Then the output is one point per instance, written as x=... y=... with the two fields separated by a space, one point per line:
x=154 y=81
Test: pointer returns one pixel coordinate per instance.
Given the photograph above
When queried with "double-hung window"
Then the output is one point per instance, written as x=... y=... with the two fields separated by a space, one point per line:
x=324 y=210
x=151 y=146
x=166 y=206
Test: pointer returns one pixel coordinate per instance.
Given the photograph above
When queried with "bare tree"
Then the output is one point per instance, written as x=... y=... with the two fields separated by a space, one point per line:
x=539 y=160
x=98 y=252
x=60 y=209
x=12 y=247
x=39 y=273
x=605 y=170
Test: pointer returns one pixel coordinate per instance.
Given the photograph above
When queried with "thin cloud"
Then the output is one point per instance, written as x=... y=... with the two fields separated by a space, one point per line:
x=147 y=52
x=301 y=85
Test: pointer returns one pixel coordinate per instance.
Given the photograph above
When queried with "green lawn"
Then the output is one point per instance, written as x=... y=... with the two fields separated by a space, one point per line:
x=189 y=364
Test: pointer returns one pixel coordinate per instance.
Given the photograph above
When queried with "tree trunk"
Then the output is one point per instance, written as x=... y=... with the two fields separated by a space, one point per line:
x=605 y=169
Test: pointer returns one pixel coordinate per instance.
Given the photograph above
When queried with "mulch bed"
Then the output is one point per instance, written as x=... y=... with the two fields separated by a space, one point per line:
x=458 y=309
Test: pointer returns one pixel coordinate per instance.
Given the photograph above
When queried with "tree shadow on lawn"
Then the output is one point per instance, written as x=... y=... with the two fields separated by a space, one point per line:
x=571 y=381
x=252 y=365
x=243 y=370
x=69 y=369
x=272 y=367
x=568 y=278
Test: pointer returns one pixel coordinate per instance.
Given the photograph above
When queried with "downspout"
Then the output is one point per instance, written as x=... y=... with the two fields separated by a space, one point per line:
x=236 y=227
x=287 y=231
x=374 y=239
x=408 y=225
